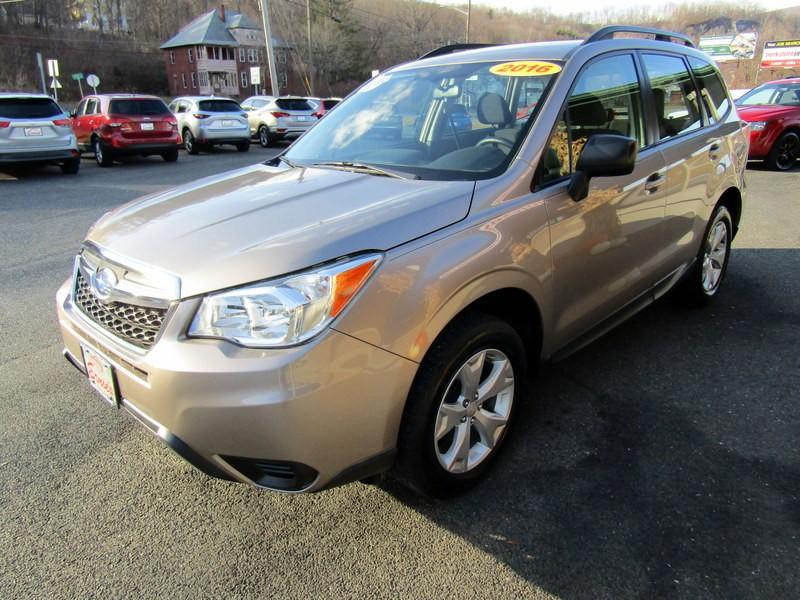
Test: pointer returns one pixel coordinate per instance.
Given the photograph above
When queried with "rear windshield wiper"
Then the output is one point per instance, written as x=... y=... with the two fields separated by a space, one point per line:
x=365 y=168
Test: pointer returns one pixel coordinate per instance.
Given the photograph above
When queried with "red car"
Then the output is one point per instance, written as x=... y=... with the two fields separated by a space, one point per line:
x=112 y=125
x=773 y=111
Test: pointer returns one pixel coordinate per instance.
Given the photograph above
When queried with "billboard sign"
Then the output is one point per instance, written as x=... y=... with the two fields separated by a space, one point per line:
x=785 y=53
x=736 y=46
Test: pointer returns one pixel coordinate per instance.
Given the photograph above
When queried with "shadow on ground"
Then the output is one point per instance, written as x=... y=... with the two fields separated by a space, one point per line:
x=663 y=458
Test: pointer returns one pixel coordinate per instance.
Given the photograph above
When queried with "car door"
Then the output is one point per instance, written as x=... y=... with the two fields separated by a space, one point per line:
x=606 y=248
x=86 y=121
x=695 y=144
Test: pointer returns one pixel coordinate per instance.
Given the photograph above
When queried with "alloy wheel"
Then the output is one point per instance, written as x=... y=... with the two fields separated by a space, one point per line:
x=788 y=151
x=474 y=412
x=715 y=256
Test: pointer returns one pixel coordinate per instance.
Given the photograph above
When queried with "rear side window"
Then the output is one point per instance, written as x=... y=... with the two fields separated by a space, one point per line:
x=606 y=99
x=677 y=109
x=712 y=90
x=219 y=106
x=292 y=104
x=329 y=104
x=138 y=106
x=28 y=108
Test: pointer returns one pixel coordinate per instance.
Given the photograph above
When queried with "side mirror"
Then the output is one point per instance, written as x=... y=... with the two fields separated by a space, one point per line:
x=604 y=155
x=72 y=115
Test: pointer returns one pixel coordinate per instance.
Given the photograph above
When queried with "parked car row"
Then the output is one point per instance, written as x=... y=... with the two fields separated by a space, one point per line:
x=35 y=129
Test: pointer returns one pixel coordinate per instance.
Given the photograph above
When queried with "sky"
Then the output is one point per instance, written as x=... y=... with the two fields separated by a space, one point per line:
x=579 y=6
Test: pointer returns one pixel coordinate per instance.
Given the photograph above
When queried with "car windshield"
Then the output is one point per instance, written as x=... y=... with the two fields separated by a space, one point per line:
x=138 y=106
x=219 y=106
x=449 y=122
x=779 y=94
x=28 y=108
x=293 y=104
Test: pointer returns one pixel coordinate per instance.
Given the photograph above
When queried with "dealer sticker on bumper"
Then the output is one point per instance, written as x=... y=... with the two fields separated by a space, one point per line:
x=101 y=375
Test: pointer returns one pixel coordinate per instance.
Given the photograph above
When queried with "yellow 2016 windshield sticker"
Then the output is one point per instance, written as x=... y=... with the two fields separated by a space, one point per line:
x=526 y=68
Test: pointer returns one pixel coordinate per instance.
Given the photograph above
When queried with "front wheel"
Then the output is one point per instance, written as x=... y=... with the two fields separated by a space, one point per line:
x=189 y=142
x=785 y=152
x=102 y=156
x=461 y=406
x=264 y=137
x=703 y=282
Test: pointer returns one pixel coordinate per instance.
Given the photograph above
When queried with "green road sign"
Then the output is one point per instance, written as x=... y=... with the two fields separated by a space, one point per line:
x=77 y=76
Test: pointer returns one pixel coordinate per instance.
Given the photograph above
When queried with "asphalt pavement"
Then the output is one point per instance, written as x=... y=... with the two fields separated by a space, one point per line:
x=662 y=461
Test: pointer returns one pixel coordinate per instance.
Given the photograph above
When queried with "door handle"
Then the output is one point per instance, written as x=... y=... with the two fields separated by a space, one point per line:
x=653 y=182
x=713 y=151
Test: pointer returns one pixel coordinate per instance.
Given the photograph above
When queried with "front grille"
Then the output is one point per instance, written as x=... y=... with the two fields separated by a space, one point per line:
x=138 y=325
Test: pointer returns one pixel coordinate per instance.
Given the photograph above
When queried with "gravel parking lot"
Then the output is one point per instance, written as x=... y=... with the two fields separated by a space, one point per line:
x=662 y=461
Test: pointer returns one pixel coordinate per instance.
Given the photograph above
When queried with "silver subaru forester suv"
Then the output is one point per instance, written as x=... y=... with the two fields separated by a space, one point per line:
x=366 y=302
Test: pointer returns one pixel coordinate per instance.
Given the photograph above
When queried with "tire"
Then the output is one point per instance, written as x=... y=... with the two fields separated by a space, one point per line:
x=701 y=286
x=189 y=142
x=264 y=136
x=243 y=146
x=785 y=152
x=102 y=155
x=431 y=435
x=71 y=166
x=170 y=155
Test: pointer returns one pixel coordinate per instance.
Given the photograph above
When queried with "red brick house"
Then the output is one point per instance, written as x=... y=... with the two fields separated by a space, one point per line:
x=214 y=53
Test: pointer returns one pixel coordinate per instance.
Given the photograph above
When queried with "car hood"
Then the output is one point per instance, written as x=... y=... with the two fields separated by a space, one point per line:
x=261 y=222
x=765 y=113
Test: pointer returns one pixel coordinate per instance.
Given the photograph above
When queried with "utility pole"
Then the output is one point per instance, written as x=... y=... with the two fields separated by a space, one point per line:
x=310 y=65
x=469 y=15
x=273 y=75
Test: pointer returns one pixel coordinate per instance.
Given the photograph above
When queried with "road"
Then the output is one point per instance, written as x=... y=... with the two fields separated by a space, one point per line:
x=662 y=461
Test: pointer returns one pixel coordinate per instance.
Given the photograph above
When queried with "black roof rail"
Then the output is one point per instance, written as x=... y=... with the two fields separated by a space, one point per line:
x=453 y=48
x=607 y=33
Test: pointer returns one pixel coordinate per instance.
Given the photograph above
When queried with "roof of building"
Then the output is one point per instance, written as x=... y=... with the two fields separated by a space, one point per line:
x=209 y=29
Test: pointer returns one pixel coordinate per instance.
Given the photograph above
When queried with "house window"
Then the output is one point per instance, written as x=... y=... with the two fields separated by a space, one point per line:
x=204 y=78
x=172 y=57
x=175 y=83
x=241 y=55
x=183 y=79
x=190 y=54
x=194 y=79
x=244 y=79
x=251 y=55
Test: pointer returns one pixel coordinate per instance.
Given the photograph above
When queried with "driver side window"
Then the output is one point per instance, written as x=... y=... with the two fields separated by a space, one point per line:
x=606 y=99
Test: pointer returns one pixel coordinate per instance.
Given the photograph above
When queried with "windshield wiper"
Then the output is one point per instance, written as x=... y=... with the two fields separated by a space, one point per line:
x=282 y=158
x=365 y=168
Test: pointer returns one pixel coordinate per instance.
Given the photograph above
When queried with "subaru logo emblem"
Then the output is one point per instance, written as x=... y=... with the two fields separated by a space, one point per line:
x=103 y=283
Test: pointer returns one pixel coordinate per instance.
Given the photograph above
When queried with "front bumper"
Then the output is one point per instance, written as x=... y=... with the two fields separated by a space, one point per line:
x=331 y=407
x=761 y=142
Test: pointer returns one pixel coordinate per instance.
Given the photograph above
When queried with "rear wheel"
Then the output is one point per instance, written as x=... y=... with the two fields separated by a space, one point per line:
x=785 y=152
x=461 y=405
x=243 y=146
x=71 y=166
x=102 y=155
x=702 y=284
x=170 y=155
x=189 y=142
x=264 y=136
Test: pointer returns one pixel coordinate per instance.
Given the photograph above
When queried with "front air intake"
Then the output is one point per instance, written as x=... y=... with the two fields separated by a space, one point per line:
x=275 y=474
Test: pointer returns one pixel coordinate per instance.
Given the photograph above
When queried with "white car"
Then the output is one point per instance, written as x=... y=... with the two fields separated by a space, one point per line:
x=272 y=119
x=209 y=120
x=34 y=129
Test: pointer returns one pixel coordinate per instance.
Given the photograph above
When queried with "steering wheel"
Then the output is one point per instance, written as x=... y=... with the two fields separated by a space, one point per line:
x=497 y=142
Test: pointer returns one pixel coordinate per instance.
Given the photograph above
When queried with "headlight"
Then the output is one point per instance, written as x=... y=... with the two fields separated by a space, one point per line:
x=285 y=311
x=758 y=125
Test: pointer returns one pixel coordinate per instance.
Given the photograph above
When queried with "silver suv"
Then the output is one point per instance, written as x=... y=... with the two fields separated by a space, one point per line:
x=34 y=129
x=272 y=119
x=368 y=302
x=205 y=121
